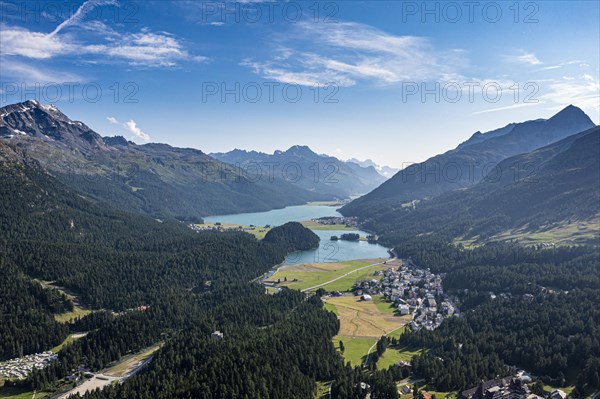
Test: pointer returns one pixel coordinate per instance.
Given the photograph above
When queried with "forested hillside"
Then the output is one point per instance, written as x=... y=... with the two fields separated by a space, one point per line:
x=523 y=307
x=189 y=283
x=553 y=186
x=153 y=179
x=467 y=164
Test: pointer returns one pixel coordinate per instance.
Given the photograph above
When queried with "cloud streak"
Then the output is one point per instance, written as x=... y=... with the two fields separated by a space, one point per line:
x=80 y=13
x=525 y=58
x=346 y=53
x=143 y=48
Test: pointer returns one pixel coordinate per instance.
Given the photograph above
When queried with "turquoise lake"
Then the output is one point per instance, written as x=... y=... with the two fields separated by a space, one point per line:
x=328 y=251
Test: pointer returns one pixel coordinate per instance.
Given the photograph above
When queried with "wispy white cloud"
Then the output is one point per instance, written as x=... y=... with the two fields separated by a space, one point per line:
x=524 y=57
x=22 y=42
x=505 y=108
x=143 y=48
x=80 y=13
x=347 y=52
x=555 y=94
x=136 y=131
x=132 y=127
x=561 y=65
x=583 y=92
x=28 y=72
x=550 y=67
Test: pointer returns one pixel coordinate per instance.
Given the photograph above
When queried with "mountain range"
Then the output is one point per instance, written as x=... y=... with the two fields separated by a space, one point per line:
x=383 y=170
x=314 y=172
x=469 y=162
x=550 y=191
x=156 y=179
x=534 y=176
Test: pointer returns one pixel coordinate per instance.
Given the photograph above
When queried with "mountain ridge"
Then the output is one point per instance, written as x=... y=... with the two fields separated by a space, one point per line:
x=541 y=191
x=153 y=179
x=311 y=171
x=469 y=162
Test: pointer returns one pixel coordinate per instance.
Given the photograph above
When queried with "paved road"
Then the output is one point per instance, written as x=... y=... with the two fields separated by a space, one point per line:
x=347 y=274
x=97 y=381
x=100 y=380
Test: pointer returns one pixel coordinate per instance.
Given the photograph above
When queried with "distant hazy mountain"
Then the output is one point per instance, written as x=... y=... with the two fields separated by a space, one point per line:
x=385 y=171
x=303 y=167
x=468 y=163
x=154 y=179
x=553 y=187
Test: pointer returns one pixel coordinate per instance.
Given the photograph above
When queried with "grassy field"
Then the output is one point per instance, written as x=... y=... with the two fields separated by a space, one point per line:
x=330 y=307
x=355 y=349
x=322 y=389
x=363 y=318
x=383 y=305
x=572 y=233
x=78 y=309
x=17 y=393
x=311 y=274
x=346 y=283
x=393 y=356
x=362 y=323
x=564 y=234
x=567 y=390
x=68 y=341
x=317 y=226
x=67 y=317
x=272 y=291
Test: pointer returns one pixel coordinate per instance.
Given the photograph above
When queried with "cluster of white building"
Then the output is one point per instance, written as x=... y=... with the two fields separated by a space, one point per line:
x=21 y=367
x=348 y=221
x=220 y=228
x=412 y=291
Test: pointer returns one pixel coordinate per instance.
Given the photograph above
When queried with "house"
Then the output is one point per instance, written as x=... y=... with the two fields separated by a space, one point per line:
x=505 y=388
x=557 y=394
x=431 y=302
x=403 y=309
x=406 y=389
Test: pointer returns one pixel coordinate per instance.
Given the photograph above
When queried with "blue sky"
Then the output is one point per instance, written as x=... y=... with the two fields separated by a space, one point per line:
x=393 y=81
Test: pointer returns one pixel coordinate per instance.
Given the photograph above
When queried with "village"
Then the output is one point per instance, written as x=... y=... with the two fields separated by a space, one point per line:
x=21 y=367
x=221 y=227
x=351 y=222
x=411 y=290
